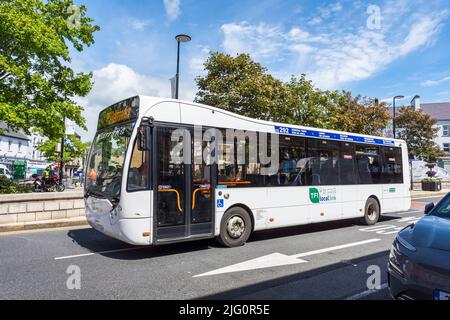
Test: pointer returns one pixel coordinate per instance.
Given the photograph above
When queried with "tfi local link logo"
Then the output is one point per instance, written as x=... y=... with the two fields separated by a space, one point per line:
x=319 y=195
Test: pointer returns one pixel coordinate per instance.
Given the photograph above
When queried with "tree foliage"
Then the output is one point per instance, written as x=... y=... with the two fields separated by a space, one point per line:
x=72 y=151
x=37 y=86
x=418 y=130
x=309 y=106
x=240 y=85
x=359 y=114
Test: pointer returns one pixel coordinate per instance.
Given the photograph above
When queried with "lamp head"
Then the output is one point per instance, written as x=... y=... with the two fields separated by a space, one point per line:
x=183 y=38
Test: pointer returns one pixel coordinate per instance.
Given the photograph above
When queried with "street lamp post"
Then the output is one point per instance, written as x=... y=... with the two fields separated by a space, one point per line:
x=393 y=121
x=61 y=164
x=180 y=38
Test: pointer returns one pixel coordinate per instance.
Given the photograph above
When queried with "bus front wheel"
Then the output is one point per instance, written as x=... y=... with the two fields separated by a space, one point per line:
x=371 y=213
x=235 y=228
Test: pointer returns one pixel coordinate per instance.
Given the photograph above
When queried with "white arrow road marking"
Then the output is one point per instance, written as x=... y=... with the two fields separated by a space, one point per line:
x=278 y=259
x=271 y=260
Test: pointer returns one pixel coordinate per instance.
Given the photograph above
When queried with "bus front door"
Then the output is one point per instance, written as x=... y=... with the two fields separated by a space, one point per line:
x=183 y=190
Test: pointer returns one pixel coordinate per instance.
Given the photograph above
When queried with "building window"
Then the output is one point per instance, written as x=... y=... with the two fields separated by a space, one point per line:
x=447 y=148
x=20 y=147
x=446 y=131
x=9 y=145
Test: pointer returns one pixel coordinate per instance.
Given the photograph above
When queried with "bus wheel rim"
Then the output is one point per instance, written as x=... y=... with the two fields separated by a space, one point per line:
x=371 y=212
x=236 y=227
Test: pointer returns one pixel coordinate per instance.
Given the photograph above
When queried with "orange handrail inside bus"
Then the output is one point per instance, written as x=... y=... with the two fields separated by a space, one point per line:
x=178 y=197
x=206 y=190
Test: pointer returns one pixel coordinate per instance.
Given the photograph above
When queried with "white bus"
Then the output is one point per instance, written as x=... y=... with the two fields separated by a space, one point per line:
x=163 y=171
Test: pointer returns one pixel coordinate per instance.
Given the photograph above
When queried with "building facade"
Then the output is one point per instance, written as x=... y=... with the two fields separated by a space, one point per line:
x=19 y=152
x=439 y=111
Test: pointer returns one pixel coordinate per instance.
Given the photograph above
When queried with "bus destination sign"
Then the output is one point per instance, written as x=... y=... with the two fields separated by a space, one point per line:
x=118 y=113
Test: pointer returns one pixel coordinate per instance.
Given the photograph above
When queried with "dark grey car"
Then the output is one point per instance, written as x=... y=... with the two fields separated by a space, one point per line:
x=419 y=262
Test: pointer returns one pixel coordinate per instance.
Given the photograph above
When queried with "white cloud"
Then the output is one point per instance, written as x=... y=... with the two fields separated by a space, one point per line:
x=329 y=10
x=114 y=83
x=298 y=34
x=336 y=56
x=433 y=83
x=173 y=10
x=261 y=39
x=137 y=24
x=315 y=21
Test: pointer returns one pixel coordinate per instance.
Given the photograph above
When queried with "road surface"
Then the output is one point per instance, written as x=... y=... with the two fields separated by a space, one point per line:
x=323 y=261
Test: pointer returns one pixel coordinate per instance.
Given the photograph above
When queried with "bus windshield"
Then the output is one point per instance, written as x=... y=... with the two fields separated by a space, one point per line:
x=106 y=160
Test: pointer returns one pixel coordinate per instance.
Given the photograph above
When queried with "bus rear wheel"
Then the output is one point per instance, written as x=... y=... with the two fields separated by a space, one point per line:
x=235 y=228
x=371 y=212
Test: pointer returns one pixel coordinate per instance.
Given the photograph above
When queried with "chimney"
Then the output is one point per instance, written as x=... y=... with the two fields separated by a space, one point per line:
x=415 y=103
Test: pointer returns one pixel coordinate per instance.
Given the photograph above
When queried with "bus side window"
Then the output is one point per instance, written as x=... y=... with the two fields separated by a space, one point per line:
x=138 y=173
x=392 y=165
x=347 y=164
x=368 y=164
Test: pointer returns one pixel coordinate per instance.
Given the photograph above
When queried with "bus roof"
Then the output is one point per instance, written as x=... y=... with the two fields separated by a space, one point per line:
x=147 y=104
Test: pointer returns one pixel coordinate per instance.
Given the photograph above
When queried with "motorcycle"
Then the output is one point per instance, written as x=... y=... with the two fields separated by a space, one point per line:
x=51 y=185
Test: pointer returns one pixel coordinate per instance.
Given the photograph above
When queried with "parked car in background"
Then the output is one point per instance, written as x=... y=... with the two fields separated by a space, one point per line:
x=4 y=171
x=419 y=262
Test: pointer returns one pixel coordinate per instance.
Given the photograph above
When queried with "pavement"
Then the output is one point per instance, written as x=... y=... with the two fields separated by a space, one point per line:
x=322 y=261
x=417 y=194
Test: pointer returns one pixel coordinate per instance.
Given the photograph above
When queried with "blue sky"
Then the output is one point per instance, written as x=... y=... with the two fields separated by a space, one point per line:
x=376 y=49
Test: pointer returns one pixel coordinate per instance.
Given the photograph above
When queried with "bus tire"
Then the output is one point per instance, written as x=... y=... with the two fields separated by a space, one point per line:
x=371 y=212
x=235 y=228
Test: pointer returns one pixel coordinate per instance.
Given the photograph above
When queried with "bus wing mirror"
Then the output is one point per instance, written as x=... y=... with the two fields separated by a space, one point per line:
x=144 y=138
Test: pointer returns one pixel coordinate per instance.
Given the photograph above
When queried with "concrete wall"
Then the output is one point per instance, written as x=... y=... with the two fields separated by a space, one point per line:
x=33 y=207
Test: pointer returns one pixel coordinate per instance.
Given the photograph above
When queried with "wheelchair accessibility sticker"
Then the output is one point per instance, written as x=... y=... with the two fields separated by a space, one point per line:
x=220 y=203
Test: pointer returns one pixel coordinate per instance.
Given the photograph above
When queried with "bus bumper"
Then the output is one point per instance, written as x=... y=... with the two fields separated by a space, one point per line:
x=131 y=231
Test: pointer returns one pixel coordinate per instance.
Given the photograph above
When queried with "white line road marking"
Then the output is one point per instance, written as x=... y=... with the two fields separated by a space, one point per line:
x=409 y=219
x=344 y=246
x=278 y=260
x=100 y=252
x=386 y=229
x=366 y=293
x=75 y=256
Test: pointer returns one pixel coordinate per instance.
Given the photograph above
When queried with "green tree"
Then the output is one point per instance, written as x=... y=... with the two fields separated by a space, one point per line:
x=308 y=105
x=73 y=148
x=240 y=85
x=418 y=130
x=358 y=114
x=37 y=85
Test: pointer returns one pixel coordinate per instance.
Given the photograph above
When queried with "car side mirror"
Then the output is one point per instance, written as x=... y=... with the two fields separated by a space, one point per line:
x=429 y=207
x=144 y=138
